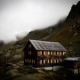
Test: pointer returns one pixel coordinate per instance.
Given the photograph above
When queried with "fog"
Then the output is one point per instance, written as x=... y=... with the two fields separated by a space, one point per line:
x=19 y=17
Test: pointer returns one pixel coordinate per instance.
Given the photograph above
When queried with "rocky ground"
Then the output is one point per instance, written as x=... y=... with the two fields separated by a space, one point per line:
x=27 y=73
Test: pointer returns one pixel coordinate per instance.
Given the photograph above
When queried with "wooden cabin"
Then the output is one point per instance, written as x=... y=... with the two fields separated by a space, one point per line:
x=72 y=63
x=43 y=53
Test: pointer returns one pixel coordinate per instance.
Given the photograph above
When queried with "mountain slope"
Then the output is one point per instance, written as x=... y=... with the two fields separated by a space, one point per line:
x=67 y=32
x=69 y=35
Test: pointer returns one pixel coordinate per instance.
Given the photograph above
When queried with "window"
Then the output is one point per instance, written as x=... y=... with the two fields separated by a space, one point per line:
x=49 y=53
x=30 y=60
x=64 y=53
x=60 y=60
x=39 y=52
x=44 y=61
x=40 y=61
x=55 y=61
x=25 y=60
x=29 y=52
x=48 y=60
x=60 y=53
x=51 y=60
x=44 y=52
x=54 y=53
x=29 y=45
x=34 y=61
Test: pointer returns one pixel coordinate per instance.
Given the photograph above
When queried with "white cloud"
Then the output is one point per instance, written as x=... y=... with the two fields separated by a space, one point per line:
x=22 y=16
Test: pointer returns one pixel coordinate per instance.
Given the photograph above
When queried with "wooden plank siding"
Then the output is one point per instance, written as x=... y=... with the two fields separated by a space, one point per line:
x=30 y=55
x=42 y=58
x=50 y=57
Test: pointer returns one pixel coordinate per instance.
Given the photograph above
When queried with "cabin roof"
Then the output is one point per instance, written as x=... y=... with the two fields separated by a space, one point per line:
x=72 y=59
x=45 y=45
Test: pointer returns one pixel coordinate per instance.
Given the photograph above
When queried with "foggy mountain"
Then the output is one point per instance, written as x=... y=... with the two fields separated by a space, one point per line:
x=66 y=32
x=19 y=17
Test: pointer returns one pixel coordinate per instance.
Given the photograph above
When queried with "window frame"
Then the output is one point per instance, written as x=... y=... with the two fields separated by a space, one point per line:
x=55 y=53
x=51 y=61
x=41 y=61
x=29 y=52
x=44 y=61
x=48 y=61
x=49 y=53
x=55 y=61
x=64 y=53
x=29 y=45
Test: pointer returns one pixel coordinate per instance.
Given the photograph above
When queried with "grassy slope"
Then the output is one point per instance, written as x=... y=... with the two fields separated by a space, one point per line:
x=69 y=36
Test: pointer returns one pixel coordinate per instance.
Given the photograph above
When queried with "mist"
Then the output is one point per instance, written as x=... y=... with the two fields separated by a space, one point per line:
x=19 y=17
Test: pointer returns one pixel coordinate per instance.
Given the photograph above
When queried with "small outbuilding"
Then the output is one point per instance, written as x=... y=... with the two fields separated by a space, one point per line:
x=72 y=63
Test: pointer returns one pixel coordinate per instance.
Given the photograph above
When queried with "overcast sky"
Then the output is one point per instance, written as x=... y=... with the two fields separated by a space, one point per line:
x=18 y=17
